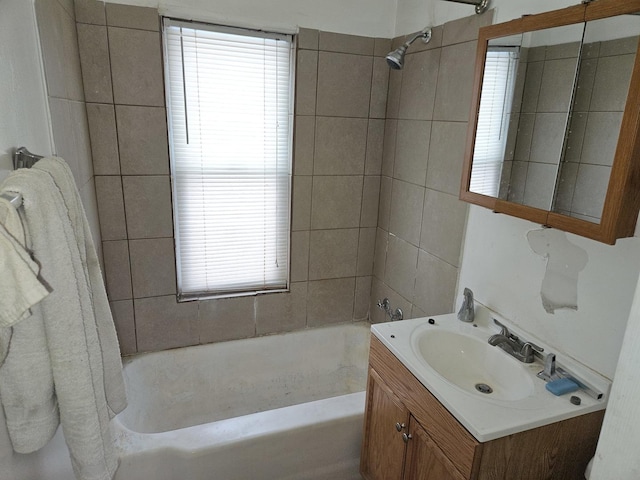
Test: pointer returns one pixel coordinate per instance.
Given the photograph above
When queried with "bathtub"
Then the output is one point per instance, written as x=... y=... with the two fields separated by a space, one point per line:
x=280 y=407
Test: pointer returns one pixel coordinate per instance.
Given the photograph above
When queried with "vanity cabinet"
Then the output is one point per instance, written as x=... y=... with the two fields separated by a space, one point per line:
x=410 y=435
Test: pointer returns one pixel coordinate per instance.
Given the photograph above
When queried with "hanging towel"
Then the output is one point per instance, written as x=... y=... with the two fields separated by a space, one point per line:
x=112 y=363
x=31 y=409
x=72 y=335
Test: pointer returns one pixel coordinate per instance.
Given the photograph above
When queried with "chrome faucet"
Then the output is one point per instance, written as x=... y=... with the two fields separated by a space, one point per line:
x=510 y=343
x=466 y=312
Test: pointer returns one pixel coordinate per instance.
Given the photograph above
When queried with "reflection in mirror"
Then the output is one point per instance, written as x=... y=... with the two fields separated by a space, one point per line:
x=607 y=59
x=526 y=128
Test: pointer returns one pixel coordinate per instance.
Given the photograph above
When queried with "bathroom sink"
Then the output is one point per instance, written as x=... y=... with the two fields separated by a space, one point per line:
x=473 y=365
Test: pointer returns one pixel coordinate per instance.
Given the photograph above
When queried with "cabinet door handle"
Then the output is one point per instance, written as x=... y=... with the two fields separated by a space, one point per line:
x=406 y=437
x=400 y=426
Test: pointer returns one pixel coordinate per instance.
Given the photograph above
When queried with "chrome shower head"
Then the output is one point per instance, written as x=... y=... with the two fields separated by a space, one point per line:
x=395 y=59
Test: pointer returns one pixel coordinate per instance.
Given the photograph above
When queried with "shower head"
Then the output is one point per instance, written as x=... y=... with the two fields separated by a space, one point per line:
x=395 y=59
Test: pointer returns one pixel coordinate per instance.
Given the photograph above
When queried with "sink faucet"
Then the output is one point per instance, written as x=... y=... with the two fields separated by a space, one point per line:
x=466 y=312
x=510 y=343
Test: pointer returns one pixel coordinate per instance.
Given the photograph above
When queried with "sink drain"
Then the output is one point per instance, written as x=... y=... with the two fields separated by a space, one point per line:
x=484 y=388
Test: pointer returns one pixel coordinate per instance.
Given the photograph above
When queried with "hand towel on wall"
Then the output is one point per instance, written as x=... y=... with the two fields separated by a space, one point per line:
x=72 y=337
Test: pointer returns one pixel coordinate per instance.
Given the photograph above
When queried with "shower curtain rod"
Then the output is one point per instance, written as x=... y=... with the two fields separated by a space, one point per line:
x=481 y=5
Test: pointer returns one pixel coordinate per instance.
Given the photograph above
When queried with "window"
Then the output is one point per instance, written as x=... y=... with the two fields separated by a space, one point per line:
x=493 y=119
x=229 y=101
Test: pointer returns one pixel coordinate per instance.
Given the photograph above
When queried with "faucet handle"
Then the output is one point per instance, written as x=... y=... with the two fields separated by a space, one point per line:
x=503 y=329
x=528 y=346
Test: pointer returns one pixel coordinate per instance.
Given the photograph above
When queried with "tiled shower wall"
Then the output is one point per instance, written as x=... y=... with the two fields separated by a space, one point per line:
x=421 y=221
x=58 y=41
x=339 y=127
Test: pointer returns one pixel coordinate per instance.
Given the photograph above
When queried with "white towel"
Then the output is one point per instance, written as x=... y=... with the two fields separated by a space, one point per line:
x=112 y=363
x=72 y=335
x=32 y=411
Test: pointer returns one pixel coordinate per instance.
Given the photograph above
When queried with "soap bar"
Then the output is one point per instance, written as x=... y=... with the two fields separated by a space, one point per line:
x=562 y=386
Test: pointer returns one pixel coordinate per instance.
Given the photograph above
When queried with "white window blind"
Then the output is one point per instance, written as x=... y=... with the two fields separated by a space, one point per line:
x=229 y=97
x=493 y=119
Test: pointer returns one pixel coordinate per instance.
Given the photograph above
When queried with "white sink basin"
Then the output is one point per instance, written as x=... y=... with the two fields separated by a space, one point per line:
x=473 y=365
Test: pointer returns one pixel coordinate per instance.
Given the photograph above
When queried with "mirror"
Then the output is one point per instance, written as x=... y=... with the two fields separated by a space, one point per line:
x=607 y=59
x=555 y=124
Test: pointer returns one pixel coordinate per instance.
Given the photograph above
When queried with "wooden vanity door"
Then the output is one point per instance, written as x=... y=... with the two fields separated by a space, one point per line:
x=386 y=419
x=425 y=461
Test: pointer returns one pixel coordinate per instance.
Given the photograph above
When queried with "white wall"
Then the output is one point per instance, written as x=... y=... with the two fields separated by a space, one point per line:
x=373 y=18
x=23 y=106
x=506 y=275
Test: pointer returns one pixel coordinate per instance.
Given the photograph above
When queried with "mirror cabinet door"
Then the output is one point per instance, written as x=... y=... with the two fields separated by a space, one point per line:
x=606 y=64
x=527 y=92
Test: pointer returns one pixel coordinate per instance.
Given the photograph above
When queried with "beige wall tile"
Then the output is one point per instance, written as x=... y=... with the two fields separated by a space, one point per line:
x=330 y=301
x=104 y=139
x=282 y=312
x=465 y=29
x=380 y=254
x=407 y=201
x=147 y=202
x=304 y=145
x=384 y=207
x=370 y=200
x=601 y=138
x=136 y=67
x=51 y=25
x=344 y=84
x=299 y=256
x=375 y=147
x=90 y=11
x=340 y=146
x=389 y=147
x=94 y=58
x=455 y=82
x=563 y=50
x=381 y=291
x=393 y=97
x=556 y=88
x=611 y=83
x=226 y=319
x=163 y=323
x=366 y=251
x=518 y=181
x=336 y=202
x=591 y=188
x=111 y=207
x=362 y=298
x=129 y=16
x=584 y=87
x=443 y=223
x=379 y=89
x=400 y=268
x=301 y=203
x=412 y=151
x=142 y=138
x=381 y=46
x=540 y=185
x=566 y=186
x=548 y=137
x=446 y=155
x=81 y=141
x=339 y=42
x=333 y=253
x=532 y=84
x=525 y=135
x=306 y=82
x=419 y=80
x=151 y=277
x=123 y=318
x=117 y=270
x=435 y=285
x=308 y=39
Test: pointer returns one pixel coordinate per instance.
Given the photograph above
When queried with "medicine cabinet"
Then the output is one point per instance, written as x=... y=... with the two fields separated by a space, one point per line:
x=554 y=133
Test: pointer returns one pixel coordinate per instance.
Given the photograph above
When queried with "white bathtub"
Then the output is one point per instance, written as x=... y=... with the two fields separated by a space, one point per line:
x=279 y=407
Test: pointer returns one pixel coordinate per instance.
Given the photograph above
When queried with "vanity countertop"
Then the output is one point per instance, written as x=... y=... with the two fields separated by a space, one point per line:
x=484 y=416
